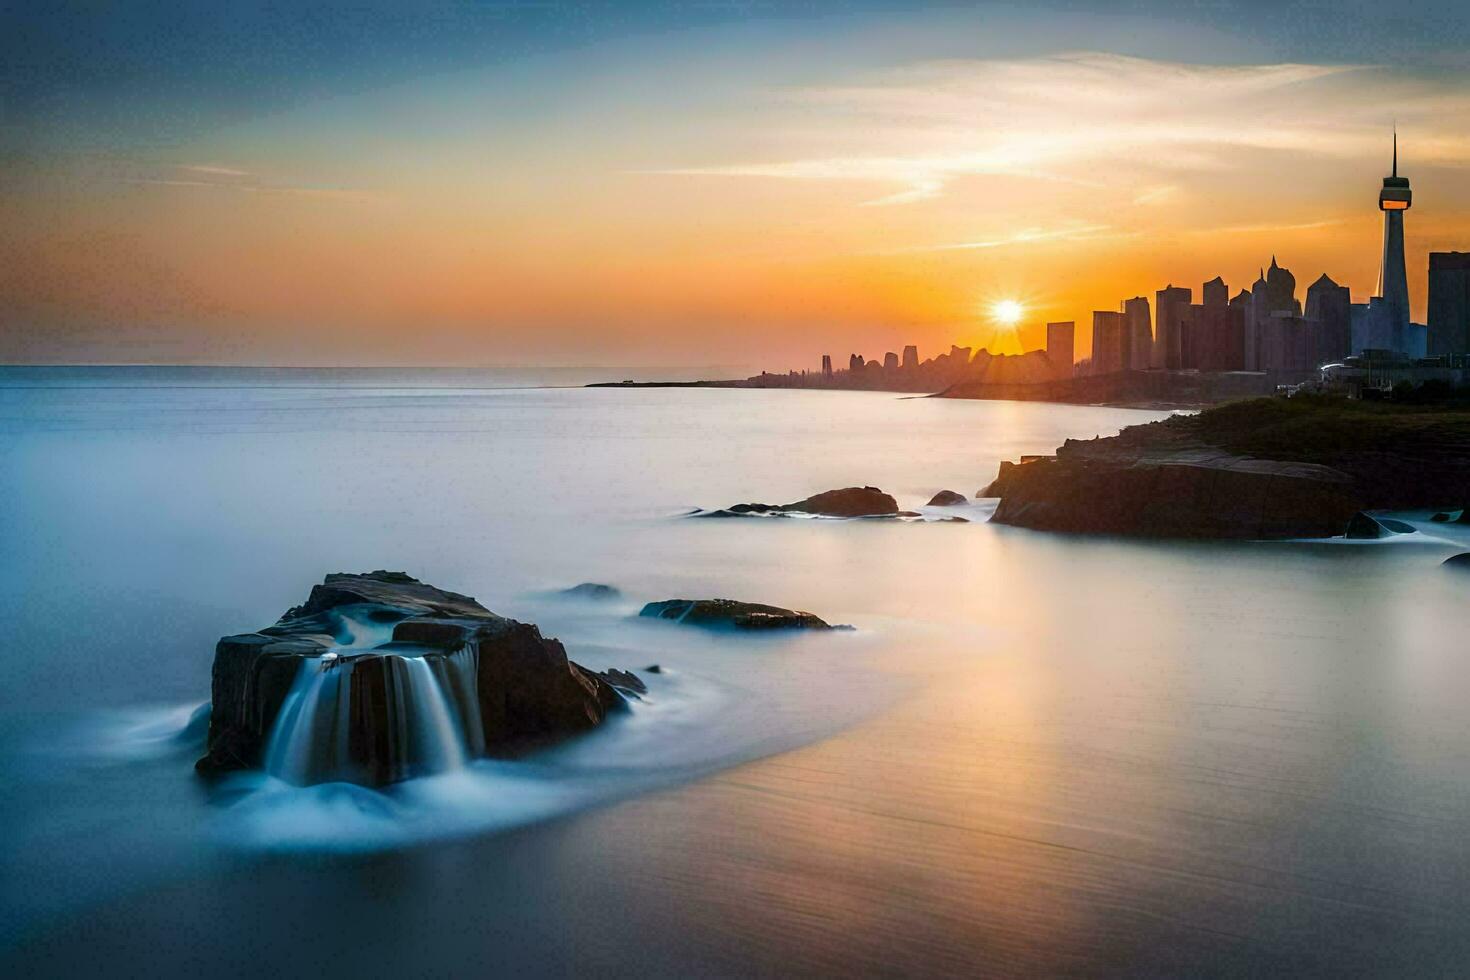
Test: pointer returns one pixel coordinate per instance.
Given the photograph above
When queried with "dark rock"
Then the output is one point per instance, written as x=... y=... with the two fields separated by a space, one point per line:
x=1442 y=518
x=592 y=590
x=1460 y=562
x=1464 y=517
x=848 y=502
x=948 y=498
x=1193 y=492
x=1362 y=526
x=728 y=613
x=954 y=520
x=521 y=684
x=653 y=669
x=625 y=681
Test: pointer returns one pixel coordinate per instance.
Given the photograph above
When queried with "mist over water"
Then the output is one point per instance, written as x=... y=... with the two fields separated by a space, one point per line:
x=1036 y=752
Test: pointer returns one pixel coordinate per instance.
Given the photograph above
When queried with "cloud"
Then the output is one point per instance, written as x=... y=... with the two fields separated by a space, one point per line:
x=1088 y=119
x=200 y=168
x=1075 y=233
x=231 y=180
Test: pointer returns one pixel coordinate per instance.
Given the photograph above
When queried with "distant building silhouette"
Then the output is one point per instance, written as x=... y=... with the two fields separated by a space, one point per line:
x=1281 y=290
x=1061 y=347
x=1107 y=342
x=1170 y=304
x=1138 y=329
x=1393 y=283
x=1449 y=303
x=911 y=356
x=890 y=361
x=1215 y=293
x=826 y=365
x=1330 y=306
x=855 y=362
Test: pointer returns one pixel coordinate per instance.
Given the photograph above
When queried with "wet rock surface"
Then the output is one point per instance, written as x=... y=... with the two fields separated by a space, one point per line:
x=731 y=614
x=847 y=502
x=947 y=498
x=1365 y=526
x=510 y=687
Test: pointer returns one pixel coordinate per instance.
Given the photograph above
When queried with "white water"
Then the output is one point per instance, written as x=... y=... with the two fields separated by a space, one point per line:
x=432 y=711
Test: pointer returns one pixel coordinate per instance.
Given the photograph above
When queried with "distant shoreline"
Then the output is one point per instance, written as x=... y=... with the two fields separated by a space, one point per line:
x=1148 y=390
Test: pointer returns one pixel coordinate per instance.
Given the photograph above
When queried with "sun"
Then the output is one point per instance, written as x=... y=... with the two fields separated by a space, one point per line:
x=1007 y=311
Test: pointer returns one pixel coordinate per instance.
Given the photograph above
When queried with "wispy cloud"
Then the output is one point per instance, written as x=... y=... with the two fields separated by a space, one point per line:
x=232 y=180
x=200 y=168
x=1089 y=119
x=1024 y=237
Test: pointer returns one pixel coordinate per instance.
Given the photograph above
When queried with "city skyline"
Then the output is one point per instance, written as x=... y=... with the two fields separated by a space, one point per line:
x=852 y=181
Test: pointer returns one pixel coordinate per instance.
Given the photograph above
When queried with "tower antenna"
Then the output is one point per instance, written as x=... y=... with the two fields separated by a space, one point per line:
x=1395 y=147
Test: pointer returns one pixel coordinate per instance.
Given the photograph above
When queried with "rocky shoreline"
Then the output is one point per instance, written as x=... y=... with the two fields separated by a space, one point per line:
x=1259 y=469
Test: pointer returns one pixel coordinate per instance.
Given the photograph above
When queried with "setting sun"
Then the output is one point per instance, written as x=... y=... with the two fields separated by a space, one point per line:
x=1006 y=311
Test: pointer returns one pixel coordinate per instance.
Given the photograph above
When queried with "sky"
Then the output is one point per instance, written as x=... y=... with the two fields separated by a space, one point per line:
x=708 y=183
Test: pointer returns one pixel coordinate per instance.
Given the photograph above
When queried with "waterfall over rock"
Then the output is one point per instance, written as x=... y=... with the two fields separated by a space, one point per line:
x=378 y=678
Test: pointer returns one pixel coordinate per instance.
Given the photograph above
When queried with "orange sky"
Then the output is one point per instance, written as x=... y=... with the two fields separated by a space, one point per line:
x=672 y=209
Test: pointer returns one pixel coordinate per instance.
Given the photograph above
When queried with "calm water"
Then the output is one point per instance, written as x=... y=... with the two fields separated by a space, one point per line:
x=1036 y=753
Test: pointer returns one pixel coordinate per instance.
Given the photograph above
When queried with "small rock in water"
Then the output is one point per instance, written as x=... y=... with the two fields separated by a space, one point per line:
x=1460 y=562
x=592 y=590
x=1364 y=527
x=947 y=498
x=1443 y=517
x=847 y=502
x=653 y=669
x=730 y=614
x=625 y=681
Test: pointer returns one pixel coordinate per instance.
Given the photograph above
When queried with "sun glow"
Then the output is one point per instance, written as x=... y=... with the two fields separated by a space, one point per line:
x=1007 y=312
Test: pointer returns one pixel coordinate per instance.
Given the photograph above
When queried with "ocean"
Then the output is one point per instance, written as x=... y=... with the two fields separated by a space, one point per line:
x=1034 y=752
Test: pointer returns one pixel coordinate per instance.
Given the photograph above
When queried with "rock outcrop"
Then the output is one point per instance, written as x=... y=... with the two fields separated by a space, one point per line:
x=730 y=614
x=370 y=647
x=592 y=590
x=947 y=498
x=1181 y=491
x=1460 y=562
x=847 y=502
x=1261 y=468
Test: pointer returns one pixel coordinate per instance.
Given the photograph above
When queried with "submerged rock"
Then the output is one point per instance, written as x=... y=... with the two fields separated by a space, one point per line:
x=378 y=677
x=1363 y=526
x=847 y=502
x=948 y=498
x=730 y=614
x=592 y=590
x=1460 y=562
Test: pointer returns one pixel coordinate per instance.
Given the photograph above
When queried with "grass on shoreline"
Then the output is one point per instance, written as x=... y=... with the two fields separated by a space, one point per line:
x=1307 y=427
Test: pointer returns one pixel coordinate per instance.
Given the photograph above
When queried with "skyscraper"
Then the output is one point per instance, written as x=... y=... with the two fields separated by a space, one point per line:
x=1140 y=333
x=911 y=356
x=1393 y=284
x=1449 y=303
x=1215 y=293
x=1330 y=307
x=1170 y=304
x=1060 y=338
x=1107 y=342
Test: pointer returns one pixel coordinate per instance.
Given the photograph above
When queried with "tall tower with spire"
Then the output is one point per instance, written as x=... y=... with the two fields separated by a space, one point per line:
x=1393 y=284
